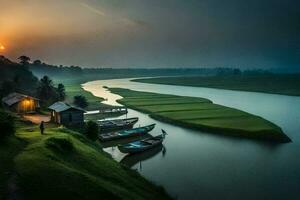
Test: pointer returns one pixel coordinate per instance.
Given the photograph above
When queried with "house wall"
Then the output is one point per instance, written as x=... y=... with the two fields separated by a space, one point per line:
x=26 y=106
x=55 y=117
x=71 y=117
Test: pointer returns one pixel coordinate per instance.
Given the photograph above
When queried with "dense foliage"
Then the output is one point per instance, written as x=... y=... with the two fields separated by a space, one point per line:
x=48 y=93
x=7 y=125
x=16 y=78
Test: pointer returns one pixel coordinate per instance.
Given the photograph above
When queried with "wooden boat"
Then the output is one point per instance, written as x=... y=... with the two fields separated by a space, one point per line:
x=117 y=124
x=126 y=133
x=142 y=145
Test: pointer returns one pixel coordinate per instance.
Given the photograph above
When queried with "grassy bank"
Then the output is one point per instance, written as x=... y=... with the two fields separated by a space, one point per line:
x=201 y=114
x=286 y=84
x=65 y=165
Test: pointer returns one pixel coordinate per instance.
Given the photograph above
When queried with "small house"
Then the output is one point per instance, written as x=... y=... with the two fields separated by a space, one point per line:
x=62 y=113
x=21 y=103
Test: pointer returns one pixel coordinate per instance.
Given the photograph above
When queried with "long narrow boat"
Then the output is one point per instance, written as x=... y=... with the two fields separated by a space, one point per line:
x=142 y=145
x=126 y=133
x=117 y=124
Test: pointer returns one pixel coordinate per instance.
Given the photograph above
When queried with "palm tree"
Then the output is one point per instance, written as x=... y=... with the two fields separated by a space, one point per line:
x=24 y=60
x=46 y=90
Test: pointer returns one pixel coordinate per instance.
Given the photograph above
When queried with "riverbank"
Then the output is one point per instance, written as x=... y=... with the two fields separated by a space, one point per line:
x=202 y=114
x=63 y=164
x=285 y=84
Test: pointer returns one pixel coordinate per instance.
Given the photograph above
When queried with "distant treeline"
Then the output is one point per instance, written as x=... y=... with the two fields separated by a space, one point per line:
x=40 y=69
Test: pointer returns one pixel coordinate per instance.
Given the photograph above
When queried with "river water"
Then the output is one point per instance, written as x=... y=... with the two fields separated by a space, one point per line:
x=199 y=165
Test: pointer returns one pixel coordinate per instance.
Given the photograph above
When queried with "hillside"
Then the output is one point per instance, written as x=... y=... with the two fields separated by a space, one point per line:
x=65 y=165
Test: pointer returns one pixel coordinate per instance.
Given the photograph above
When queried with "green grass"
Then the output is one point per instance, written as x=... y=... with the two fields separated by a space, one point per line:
x=63 y=164
x=286 y=84
x=9 y=148
x=73 y=89
x=201 y=114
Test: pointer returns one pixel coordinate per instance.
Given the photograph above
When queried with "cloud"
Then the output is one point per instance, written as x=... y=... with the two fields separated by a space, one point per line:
x=94 y=10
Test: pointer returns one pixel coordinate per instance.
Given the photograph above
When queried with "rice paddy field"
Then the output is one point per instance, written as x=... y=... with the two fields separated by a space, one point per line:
x=202 y=114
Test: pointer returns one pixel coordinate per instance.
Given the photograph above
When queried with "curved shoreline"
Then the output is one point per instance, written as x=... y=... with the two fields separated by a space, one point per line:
x=246 y=83
x=274 y=134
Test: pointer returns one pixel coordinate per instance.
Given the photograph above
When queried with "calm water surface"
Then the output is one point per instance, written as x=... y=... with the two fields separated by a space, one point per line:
x=199 y=165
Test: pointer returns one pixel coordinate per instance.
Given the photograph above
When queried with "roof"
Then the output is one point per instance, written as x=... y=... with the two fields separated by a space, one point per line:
x=61 y=106
x=14 y=98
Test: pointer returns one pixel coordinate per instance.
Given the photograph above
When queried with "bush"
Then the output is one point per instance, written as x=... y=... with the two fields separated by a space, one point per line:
x=7 y=125
x=92 y=130
x=60 y=144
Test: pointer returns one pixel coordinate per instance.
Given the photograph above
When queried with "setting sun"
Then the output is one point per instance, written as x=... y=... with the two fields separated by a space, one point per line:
x=2 y=47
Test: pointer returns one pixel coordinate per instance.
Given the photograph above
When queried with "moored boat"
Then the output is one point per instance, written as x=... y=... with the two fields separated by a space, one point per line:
x=142 y=145
x=126 y=133
x=117 y=124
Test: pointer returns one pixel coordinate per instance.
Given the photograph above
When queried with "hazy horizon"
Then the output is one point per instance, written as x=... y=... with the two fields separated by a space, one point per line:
x=153 y=34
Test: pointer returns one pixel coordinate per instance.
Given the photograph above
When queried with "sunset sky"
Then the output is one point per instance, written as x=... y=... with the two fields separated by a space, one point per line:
x=153 y=33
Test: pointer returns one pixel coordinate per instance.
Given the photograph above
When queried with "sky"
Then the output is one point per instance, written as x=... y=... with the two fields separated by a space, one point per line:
x=153 y=33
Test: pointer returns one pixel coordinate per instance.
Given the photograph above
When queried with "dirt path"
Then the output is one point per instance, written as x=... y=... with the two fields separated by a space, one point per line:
x=37 y=118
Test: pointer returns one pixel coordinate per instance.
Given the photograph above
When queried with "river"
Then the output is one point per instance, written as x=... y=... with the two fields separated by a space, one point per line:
x=200 y=165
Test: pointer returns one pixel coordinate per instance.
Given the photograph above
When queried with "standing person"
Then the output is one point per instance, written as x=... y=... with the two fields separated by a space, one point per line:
x=42 y=127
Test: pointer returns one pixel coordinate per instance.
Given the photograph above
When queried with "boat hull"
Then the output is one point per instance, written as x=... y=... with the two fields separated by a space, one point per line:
x=141 y=145
x=127 y=133
x=137 y=150
x=119 y=124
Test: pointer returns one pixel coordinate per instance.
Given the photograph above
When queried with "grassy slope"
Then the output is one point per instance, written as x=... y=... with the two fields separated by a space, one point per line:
x=276 y=83
x=9 y=148
x=64 y=165
x=201 y=114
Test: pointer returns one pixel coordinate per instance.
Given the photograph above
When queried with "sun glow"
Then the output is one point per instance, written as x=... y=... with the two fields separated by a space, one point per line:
x=2 y=48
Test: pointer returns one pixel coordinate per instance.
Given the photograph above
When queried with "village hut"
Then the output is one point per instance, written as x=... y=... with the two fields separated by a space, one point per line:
x=63 y=113
x=21 y=103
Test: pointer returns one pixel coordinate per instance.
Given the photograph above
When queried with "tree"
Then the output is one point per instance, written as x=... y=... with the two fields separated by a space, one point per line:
x=37 y=62
x=24 y=60
x=80 y=101
x=92 y=130
x=46 y=91
x=61 y=92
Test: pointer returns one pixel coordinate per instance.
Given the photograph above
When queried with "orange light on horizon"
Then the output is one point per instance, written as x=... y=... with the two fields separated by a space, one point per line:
x=2 y=48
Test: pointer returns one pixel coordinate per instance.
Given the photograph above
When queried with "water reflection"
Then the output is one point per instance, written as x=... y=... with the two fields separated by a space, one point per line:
x=131 y=160
x=115 y=143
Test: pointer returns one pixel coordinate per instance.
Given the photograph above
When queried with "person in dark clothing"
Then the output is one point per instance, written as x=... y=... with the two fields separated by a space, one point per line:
x=42 y=127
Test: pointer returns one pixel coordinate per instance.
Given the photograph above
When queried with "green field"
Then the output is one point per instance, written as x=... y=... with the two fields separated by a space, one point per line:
x=286 y=84
x=201 y=114
x=63 y=164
